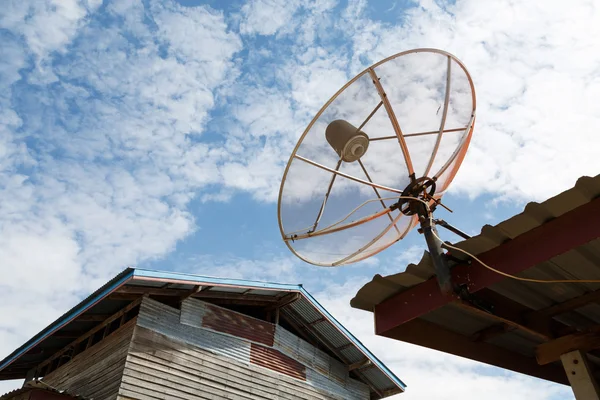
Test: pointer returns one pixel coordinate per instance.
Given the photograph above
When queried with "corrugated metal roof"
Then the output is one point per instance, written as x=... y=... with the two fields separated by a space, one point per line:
x=39 y=386
x=579 y=263
x=582 y=262
x=304 y=312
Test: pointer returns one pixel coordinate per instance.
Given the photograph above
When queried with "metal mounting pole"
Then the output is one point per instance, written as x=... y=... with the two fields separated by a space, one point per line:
x=435 y=251
x=414 y=201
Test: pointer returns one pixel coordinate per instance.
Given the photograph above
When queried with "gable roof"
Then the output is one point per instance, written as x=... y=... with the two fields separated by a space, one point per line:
x=296 y=306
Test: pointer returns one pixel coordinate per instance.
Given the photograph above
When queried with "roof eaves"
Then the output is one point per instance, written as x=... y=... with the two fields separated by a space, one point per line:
x=534 y=215
x=40 y=386
x=354 y=341
x=70 y=315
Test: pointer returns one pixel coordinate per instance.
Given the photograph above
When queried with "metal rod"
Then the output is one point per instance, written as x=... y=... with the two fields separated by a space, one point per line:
x=443 y=121
x=393 y=120
x=320 y=214
x=419 y=134
x=316 y=164
x=370 y=116
x=451 y=228
x=382 y=138
x=377 y=193
x=339 y=228
x=458 y=148
x=337 y=167
x=375 y=239
x=290 y=234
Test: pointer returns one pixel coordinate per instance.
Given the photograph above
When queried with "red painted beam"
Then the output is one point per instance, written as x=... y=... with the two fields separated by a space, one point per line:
x=568 y=231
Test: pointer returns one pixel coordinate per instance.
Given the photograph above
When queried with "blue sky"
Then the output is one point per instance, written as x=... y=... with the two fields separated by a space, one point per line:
x=155 y=133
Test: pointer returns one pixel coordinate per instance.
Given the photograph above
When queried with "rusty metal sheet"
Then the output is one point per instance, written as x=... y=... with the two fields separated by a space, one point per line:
x=277 y=361
x=236 y=324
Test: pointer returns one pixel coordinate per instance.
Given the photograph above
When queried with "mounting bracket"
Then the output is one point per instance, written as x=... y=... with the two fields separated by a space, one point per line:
x=434 y=244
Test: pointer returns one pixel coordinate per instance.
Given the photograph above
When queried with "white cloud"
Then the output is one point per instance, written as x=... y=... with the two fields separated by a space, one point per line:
x=272 y=268
x=535 y=67
x=299 y=18
x=536 y=74
x=127 y=162
x=266 y=17
x=99 y=162
x=534 y=109
x=48 y=26
x=102 y=152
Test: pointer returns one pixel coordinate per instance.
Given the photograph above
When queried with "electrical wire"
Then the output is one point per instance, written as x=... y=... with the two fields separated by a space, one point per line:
x=519 y=278
x=507 y=275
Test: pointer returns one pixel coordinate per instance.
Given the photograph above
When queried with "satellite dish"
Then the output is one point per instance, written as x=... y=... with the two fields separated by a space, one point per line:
x=398 y=129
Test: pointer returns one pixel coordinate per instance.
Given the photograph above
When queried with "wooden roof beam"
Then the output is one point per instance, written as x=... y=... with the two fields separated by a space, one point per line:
x=317 y=321
x=584 y=341
x=345 y=346
x=491 y=332
x=568 y=231
x=129 y=293
x=66 y=335
x=87 y=335
x=514 y=315
x=92 y=317
x=569 y=305
x=360 y=364
x=436 y=337
x=195 y=290
x=288 y=299
x=301 y=331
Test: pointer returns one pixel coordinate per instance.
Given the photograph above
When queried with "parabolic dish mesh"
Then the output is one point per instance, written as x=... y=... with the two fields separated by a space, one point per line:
x=424 y=129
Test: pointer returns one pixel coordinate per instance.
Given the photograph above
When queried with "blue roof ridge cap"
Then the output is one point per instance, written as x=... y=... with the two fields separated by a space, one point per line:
x=147 y=273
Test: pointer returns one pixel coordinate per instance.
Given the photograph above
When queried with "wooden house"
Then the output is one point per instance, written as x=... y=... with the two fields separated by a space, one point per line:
x=162 y=335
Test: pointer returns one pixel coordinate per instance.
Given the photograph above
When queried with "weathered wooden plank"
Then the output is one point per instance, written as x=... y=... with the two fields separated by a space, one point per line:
x=138 y=392
x=584 y=341
x=90 y=334
x=194 y=371
x=166 y=382
x=96 y=372
x=580 y=376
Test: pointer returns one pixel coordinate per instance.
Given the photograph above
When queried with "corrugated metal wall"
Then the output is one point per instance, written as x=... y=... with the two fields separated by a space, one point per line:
x=188 y=354
x=225 y=321
x=277 y=361
x=166 y=320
